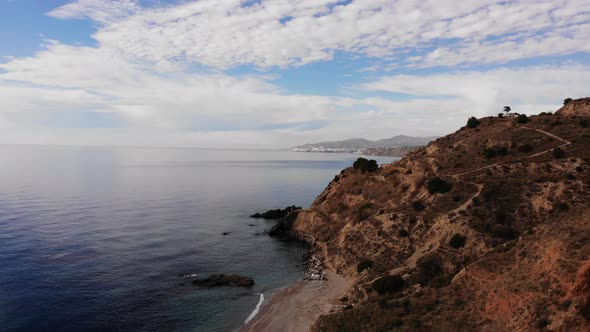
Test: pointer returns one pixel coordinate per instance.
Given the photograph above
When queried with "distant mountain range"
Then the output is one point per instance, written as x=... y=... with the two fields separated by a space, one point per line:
x=361 y=144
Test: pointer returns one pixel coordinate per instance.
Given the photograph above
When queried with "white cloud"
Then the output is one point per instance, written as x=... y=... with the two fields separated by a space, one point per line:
x=182 y=109
x=141 y=73
x=223 y=34
x=99 y=10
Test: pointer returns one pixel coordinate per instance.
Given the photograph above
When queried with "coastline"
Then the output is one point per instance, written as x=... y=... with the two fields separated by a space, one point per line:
x=297 y=307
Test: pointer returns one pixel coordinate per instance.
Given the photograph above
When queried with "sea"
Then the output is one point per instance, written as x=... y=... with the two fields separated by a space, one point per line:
x=109 y=239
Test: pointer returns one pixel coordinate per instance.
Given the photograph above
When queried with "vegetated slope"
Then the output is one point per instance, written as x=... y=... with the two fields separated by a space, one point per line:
x=488 y=228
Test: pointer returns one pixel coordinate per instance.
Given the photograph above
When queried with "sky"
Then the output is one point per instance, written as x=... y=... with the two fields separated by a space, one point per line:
x=278 y=73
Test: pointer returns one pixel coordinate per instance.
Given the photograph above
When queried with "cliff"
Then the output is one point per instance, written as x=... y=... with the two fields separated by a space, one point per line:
x=579 y=107
x=486 y=229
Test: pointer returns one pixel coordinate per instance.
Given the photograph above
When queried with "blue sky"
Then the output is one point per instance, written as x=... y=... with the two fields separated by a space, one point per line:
x=275 y=73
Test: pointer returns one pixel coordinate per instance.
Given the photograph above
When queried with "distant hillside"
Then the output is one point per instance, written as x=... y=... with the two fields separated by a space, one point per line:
x=358 y=144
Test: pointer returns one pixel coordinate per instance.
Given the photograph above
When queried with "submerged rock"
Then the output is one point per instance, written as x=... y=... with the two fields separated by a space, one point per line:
x=276 y=214
x=224 y=280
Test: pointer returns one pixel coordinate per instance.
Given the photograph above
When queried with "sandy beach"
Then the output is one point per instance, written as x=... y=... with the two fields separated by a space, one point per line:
x=297 y=307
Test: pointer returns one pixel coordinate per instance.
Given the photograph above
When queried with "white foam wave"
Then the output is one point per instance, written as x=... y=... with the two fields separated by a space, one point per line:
x=255 y=312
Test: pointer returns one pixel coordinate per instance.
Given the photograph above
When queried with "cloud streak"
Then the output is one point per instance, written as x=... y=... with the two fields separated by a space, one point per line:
x=284 y=33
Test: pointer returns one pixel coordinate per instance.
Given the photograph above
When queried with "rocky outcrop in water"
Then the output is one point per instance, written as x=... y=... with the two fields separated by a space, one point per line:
x=216 y=280
x=283 y=227
x=277 y=213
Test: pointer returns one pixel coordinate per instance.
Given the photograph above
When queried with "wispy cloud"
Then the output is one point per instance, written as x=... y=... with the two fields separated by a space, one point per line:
x=227 y=33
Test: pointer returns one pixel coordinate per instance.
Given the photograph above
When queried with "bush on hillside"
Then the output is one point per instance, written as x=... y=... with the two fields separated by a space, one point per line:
x=458 y=241
x=500 y=115
x=364 y=264
x=525 y=148
x=365 y=211
x=504 y=232
x=495 y=151
x=418 y=206
x=365 y=165
x=562 y=206
x=403 y=233
x=438 y=185
x=429 y=268
x=584 y=123
x=558 y=153
x=545 y=114
x=489 y=153
x=472 y=122
x=567 y=101
x=388 y=284
x=522 y=118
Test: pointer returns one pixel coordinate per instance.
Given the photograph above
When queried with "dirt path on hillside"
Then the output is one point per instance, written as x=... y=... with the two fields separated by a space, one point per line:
x=565 y=143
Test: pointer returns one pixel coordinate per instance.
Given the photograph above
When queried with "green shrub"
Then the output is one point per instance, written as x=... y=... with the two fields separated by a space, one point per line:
x=429 y=268
x=418 y=206
x=458 y=241
x=365 y=211
x=365 y=165
x=403 y=233
x=472 y=122
x=522 y=118
x=558 y=153
x=363 y=265
x=505 y=232
x=388 y=284
x=567 y=100
x=525 y=148
x=502 y=150
x=495 y=151
x=584 y=123
x=562 y=206
x=500 y=115
x=545 y=114
x=438 y=185
x=489 y=153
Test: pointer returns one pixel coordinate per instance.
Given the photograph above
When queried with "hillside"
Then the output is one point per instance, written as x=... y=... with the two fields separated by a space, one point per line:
x=357 y=144
x=486 y=229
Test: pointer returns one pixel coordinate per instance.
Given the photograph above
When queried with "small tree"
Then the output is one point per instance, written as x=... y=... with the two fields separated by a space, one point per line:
x=558 y=153
x=507 y=109
x=500 y=115
x=472 y=122
x=567 y=100
x=365 y=165
x=525 y=148
x=522 y=118
x=388 y=284
x=489 y=153
x=438 y=185
x=458 y=241
x=364 y=264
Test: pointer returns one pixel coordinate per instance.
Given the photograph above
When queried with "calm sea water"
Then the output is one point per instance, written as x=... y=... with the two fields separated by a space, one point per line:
x=93 y=239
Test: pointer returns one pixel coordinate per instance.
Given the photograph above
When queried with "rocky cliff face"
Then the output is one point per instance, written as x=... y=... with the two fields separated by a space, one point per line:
x=488 y=228
x=578 y=107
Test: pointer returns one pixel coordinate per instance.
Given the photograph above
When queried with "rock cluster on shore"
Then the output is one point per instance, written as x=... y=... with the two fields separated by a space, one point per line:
x=313 y=265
